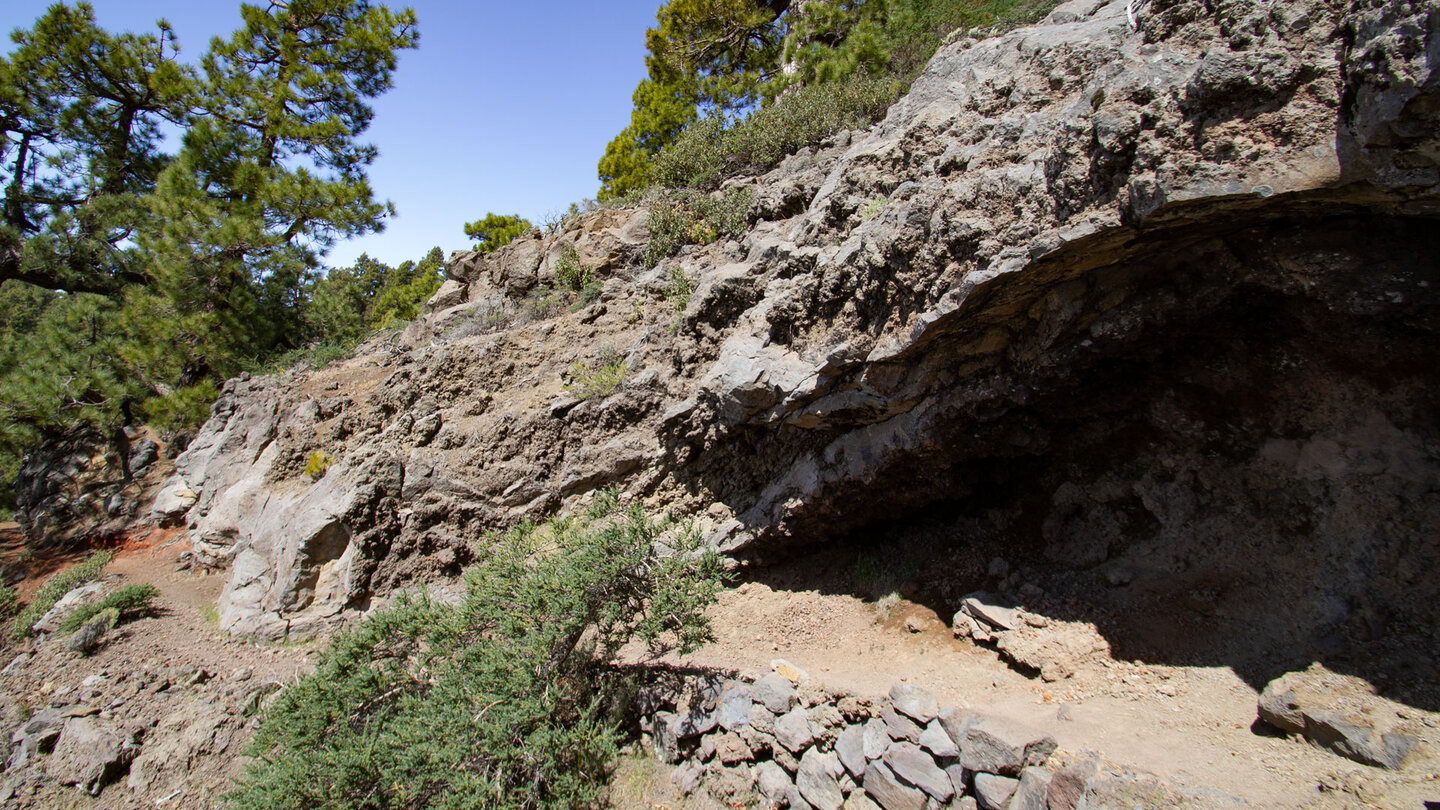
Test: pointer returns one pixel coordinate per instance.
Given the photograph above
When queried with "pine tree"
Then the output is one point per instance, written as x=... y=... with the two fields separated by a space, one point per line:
x=704 y=56
x=496 y=230
x=80 y=116
x=272 y=173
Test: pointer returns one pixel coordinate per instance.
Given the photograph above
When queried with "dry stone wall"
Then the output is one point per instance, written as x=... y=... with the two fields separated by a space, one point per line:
x=777 y=742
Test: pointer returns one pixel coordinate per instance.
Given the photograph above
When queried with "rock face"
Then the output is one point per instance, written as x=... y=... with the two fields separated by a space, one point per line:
x=1141 y=268
x=86 y=486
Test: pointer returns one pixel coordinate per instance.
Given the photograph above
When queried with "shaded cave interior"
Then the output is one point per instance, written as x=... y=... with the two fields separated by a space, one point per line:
x=1251 y=480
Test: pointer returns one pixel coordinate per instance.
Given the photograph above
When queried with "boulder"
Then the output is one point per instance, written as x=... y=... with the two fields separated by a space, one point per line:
x=937 y=740
x=900 y=727
x=1068 y=785
x=734 y=705
x=793 y=731
x=695 y=722
x=178 y=742
x=1033 y=792
x=89 y=754
x=914 y=702
x=850 y=747
x=1341 y=714
x=775 y=692
x=876 y=738
x=986 y=608
x=665 y=737
x=994 y=792
x=172 y=502
x=730 y=749
x=35 y=736
x=451 y=293
x=772 y=780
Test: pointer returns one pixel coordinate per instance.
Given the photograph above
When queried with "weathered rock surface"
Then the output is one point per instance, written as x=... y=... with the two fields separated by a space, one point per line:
x=1142 y=267
x=89 y=754
x=1342 y=714
x=1002 y=746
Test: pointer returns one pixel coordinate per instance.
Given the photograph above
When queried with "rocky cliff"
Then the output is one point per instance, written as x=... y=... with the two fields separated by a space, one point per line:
x=1144 y=296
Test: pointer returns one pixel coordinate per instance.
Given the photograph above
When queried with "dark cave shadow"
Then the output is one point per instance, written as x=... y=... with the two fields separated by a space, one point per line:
x=831 y=570
x=1216 y=610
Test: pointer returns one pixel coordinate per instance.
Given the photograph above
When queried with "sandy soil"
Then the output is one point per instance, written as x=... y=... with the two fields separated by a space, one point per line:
x=1192 y=725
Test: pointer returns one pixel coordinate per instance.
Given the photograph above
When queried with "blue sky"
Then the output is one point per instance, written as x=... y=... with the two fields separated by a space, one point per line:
x=505 y=107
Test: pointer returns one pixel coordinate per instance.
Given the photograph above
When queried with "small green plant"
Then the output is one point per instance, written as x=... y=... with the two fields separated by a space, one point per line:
x=600 y=380
x=570 y=274
x=9 y=601
x=516 y=675
x=543 y=302
x=880 y=577
x=872 y=209
x=317 y=463
x=679 y=289
x=130 y=602
x=587 y=295
x=56 y=587
x=211 y=615
x=691 y=218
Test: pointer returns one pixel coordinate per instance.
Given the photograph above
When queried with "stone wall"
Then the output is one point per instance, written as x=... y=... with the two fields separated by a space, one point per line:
x=782 y=741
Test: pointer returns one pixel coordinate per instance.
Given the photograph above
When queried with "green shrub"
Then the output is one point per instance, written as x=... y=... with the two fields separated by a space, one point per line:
x=570 y=274
x=543 y=302
x=495 y=231
x=501 y=701
x=184 y=407
x=129 y=603
x=679 y=289
x=600 y=380
x=313 y=357
x=691 y=218
x=9 y=601
x=56 y=587
x=317 y=463
x=708 y=152
x=588 y=294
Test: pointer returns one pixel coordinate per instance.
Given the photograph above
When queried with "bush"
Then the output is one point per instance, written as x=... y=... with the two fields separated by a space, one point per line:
x=691 y=218
x=129 y=603
x=679 y=289
x=56 y=587
x=570 y=274
x=500 y=701
x=317 y=463
x=600 y=380
x=708 y=152
x=9 y=601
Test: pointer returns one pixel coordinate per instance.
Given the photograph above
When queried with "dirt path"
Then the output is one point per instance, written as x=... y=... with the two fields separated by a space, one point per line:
x=171 y=680
x=1191 y=725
